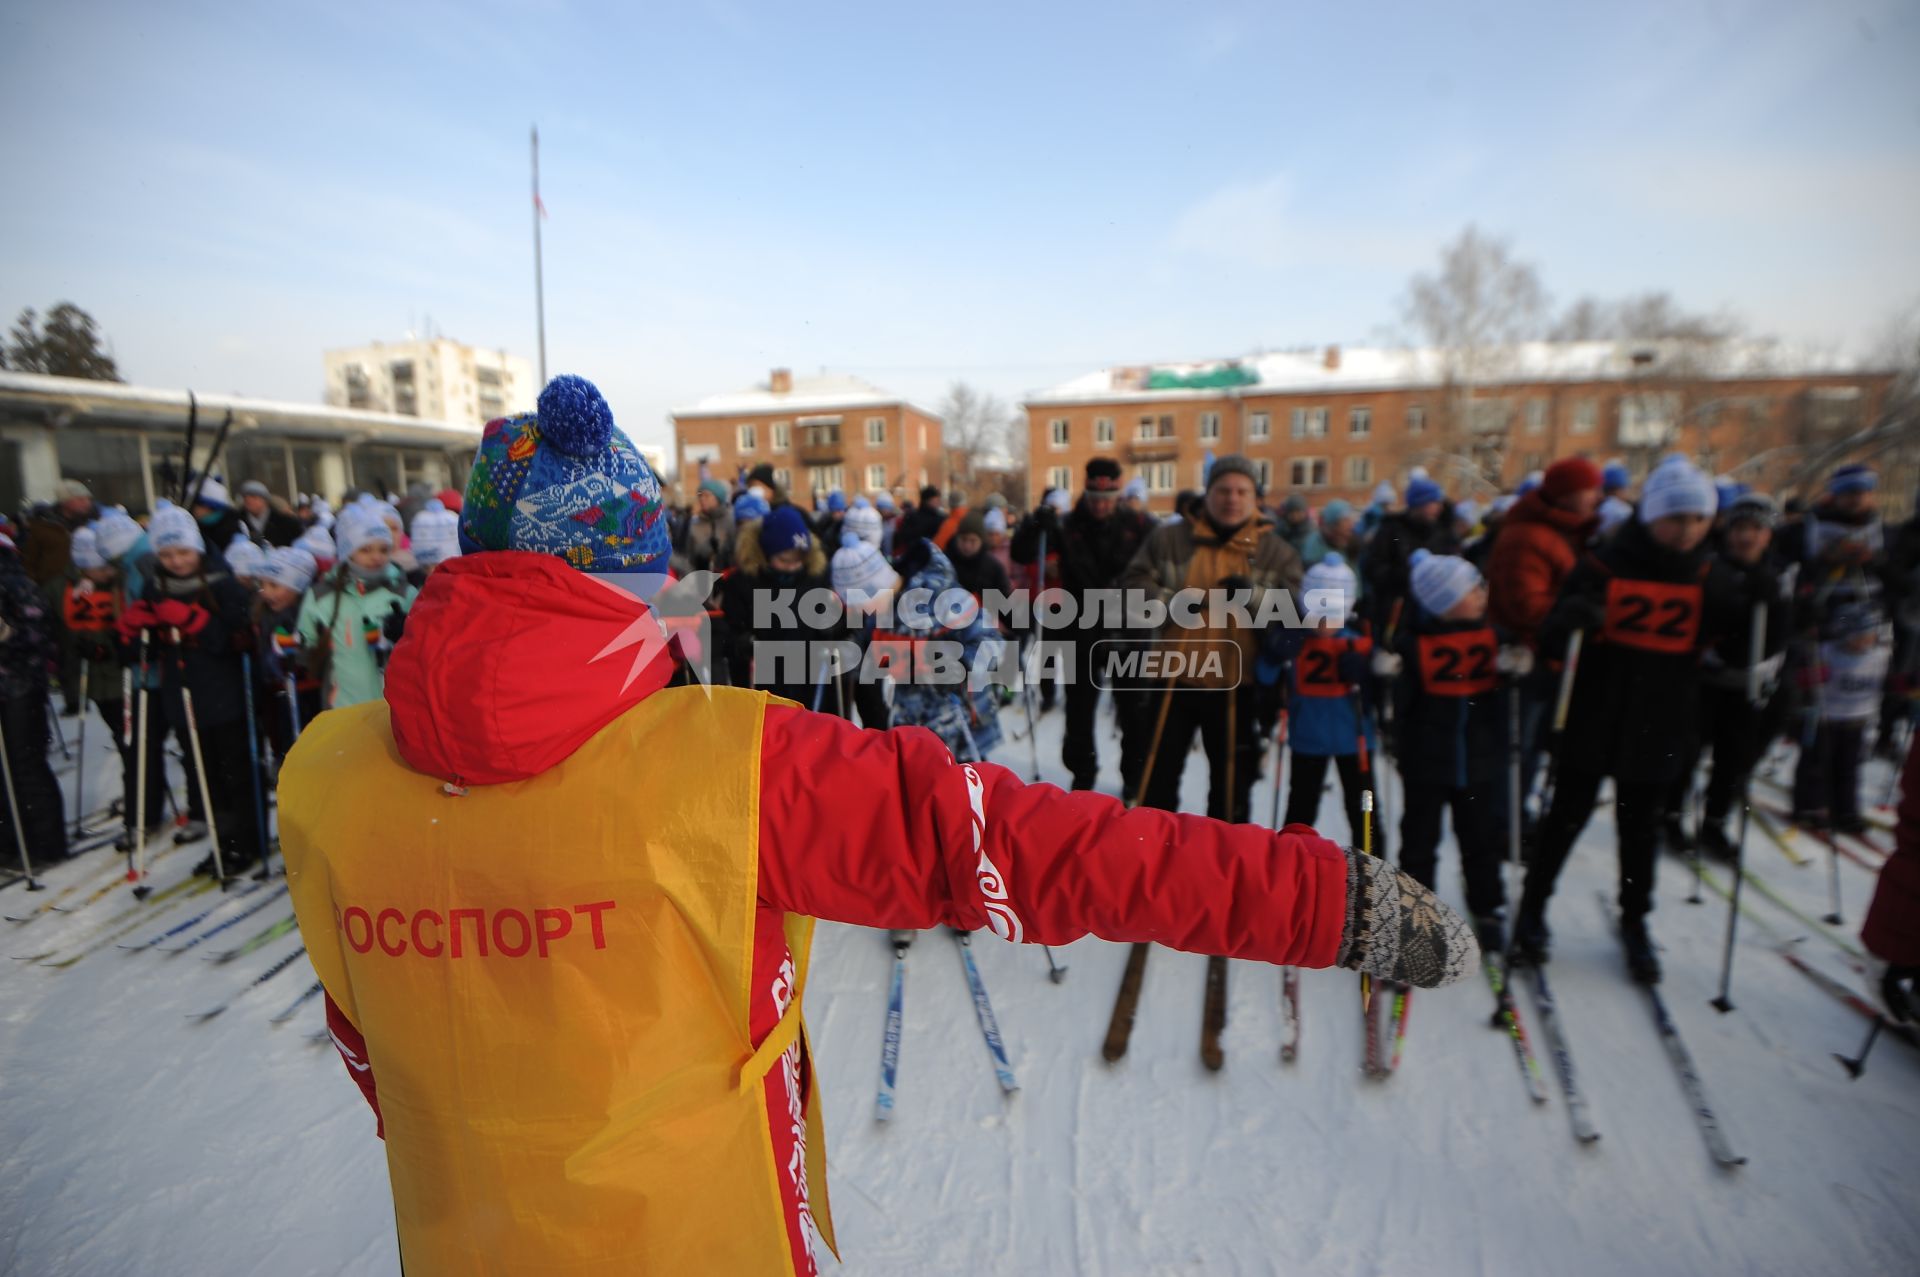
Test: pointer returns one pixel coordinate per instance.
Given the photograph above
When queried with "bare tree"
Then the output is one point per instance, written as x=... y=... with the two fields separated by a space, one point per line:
x=1651 y=316
x=980 y=436
x=1474 y=311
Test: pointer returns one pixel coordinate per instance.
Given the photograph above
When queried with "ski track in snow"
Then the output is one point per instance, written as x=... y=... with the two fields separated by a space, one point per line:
x=135 y=1142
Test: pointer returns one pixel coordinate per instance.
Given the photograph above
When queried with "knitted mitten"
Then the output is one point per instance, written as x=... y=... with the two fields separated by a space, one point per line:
x=1399 y=930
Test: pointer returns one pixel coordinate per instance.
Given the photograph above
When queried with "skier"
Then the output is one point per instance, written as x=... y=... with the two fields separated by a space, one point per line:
x=1329 y=699
x=1648 y=602
x=280 y=668
x=268 y=520
x=575 y=1002
x=1449 y=670
x=1390 y=550
x=354 y=614
x=26 y=650
x=1847 y=679
x=778 y=564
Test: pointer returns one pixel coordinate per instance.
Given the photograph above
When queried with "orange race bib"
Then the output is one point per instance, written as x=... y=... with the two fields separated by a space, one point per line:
x=1458 y=664
x=91 y=611
x=1316 y=670
x=1654 y=616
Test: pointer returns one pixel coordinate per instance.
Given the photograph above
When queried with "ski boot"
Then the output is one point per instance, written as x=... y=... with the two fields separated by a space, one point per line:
x=1642 y=964
x=125 y=841
x=1490 y=929
x=1532 y=943
x=192 y=831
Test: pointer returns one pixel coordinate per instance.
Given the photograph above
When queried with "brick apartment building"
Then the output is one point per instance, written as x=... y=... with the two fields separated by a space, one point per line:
x=1336 y=423
x=818 y=433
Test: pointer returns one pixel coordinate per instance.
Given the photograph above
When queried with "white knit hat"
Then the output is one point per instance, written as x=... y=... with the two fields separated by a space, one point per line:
x=289 y=566
x=1441 y=580
x=244 y=558
x=214 y=493
x=318 y=544
x=1332 y=573
x=115 y=533
x=863 y=522
x=1061 y=500
x=86 y=549
x=994 y=520
x=360 y=524
x=861 y=573
x=173 y=528
x=1677 y=487
x=435 y=533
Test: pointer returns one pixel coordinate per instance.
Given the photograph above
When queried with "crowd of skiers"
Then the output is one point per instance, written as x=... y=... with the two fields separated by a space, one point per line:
x=1700 y=621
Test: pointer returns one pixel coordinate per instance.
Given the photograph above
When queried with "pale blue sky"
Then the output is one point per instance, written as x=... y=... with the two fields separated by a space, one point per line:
x=1009 y=194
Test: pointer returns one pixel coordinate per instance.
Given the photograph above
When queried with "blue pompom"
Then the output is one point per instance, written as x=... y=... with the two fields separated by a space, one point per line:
x=1419 y=556
x=574 y=419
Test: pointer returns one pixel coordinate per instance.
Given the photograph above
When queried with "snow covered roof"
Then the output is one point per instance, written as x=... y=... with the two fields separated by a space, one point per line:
x=148 y=405
x=821 y=394
x=1376 y=368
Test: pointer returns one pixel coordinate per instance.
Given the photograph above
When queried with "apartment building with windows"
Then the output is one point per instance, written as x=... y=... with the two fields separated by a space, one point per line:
x=818 y=434
x=434 y=378
x=1332 y=423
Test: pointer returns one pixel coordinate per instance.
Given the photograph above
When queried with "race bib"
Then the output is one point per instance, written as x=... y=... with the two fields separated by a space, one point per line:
x=1654 y=616
x=1316 y=671
x=1458 y=664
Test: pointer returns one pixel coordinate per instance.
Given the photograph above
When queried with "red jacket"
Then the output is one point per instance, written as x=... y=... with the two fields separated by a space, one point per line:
x=1892 y=929
x=512 y=661
x=1535 y=550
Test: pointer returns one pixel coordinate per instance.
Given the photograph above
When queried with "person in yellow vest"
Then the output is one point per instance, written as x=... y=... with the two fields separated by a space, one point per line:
x=562 y=910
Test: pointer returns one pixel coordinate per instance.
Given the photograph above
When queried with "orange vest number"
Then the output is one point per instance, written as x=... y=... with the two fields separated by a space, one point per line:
x=1316 y=671
x=91 y=611
x=1458 y=664
x=1654 y=616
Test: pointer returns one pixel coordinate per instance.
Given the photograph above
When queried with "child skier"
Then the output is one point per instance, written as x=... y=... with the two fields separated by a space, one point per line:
x=1648 y=601
x=1330 y=701
x=194 y=616
x=89 y=605
x=1845 y=698
x=436 y=538
x=961 y=710
x=576 y=1001
x=355 y=614
x=778 y=563
x=288 y=692
x=1451 y=676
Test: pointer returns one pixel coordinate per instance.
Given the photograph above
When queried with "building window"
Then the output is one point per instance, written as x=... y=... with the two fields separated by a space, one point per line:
x=748 y=437
x=1209 y=427
x=923 y=444
x=1160 y=476
x=1533 y=461
x=1259 y=425
x=1647 y=419
x=1416 y=419
x=876 y=432
x=1359 y=470
x=1309 y=472
x=1536 y=416
x=1360 y=422
x=876 y=478
x=783 y=478
x=1586 y=415
x=829 y=478
x=1154 y=428
x=782 y=436
x=1309 y=423
x=1145 y=429
x=1263 y=470
x=1103 y=431
x=1060 y=477
x=1057 y=432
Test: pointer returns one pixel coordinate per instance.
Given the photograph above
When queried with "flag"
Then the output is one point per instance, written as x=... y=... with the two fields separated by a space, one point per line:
x=539 y=207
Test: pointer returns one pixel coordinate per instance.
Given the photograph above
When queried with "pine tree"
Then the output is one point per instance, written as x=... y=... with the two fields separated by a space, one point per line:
x=69 y=345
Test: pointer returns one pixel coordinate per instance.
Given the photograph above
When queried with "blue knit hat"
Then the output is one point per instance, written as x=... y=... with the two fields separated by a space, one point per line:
x=243 y=557
x=1423 y=491
x=1615 y=477
x=1676 y=486
x=564 y=480
x=1441 y=580
x=784 y=529
x=836 y=502
x=1853 y=478
x=86 y=549
x=749 y=506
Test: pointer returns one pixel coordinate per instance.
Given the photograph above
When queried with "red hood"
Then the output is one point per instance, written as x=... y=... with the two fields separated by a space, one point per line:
x=1534 y=508
x=512 y=661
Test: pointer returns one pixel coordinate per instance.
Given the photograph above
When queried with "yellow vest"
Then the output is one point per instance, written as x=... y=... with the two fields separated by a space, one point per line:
x=552 y=977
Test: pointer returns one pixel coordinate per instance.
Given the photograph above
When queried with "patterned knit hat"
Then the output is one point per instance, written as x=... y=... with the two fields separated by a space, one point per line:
x=360 y=524
x=1676 y=487
x=1332 y=573
x=86 y=549
x=564 y=480
x=116 y=533
x=1441 y=580
x=861 y=573
x=862 y=523
x=173 y=528
x=244 y=558
x=291 y=567
x=318 y=543
x=784 y=529
x=436 y=533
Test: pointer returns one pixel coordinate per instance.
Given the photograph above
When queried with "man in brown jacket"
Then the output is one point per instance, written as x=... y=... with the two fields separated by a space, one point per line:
x=1226 y=545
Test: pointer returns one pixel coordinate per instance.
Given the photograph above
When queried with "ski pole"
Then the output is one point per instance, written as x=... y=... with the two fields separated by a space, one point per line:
x=1756 y=645
x=1027 y=690
x=1279 y=767
x=13 y=809
x=253 y=758
x=199 y=760
x=59 y=732
x=142 y=709
x=1513 y=771
x=293 y=705
x=1858 y=1064
x=1366 y=849
x=80 y=772
x=1562 y=699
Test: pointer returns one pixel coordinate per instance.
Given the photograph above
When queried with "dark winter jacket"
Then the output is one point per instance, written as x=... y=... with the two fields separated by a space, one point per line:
x=47 y=552
x=279 y=527
x=753 y=576
x=921 y=521
x=1385 y=567
x=202 y=653
x=1537 y=547
x=980 y=572
x=1449 y=704
x=29 y=641
x=218 y=528
x=707 y=544
x=1090 y=554
x=1635 y=706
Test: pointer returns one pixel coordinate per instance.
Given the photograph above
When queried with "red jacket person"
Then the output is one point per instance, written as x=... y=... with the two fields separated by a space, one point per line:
x=562 y=909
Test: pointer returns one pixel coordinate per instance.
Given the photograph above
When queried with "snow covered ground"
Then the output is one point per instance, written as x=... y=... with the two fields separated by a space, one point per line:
x=137 y=1141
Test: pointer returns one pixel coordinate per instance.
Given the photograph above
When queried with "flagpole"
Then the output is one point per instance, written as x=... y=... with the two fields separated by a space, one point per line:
x=539 y=287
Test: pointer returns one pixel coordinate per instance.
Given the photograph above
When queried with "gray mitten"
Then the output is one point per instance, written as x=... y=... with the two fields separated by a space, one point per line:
x=1398 y=930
